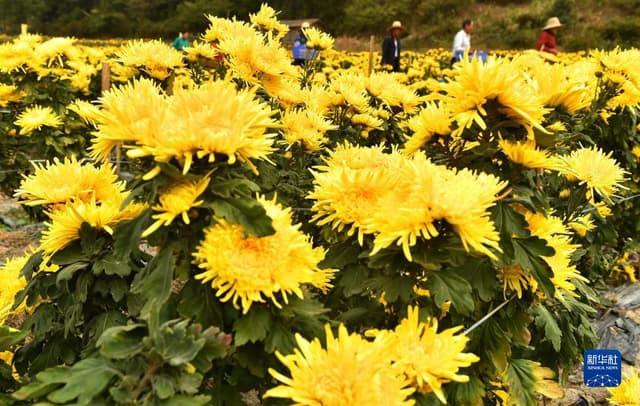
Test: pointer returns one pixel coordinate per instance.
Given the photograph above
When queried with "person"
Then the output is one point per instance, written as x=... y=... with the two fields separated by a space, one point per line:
x=462 y=41
x=547 y=40
x=391 y=47
x=181 y=42
x=300 y=46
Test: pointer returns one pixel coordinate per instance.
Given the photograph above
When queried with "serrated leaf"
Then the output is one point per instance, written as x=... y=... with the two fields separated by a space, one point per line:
x=341 y=254
x=527 y=253
x=247 y=212
x=352 y=278
x=68 y=271
x=154 y=284
x=10 y=337
x=252 y=327
x=198 y=302
x=185 y=400
x=127 y=234
x=111 y=266
x=544 y=319
x=163 y=386
x=469 y=393
x=509 y=222
x=121 y=342
x=449 y=286
x=280 y=338
x=521 y=382
x=177 y=343
x=83 y=381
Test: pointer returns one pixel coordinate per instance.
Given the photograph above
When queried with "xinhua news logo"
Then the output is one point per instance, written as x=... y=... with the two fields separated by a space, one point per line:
x=602 y=368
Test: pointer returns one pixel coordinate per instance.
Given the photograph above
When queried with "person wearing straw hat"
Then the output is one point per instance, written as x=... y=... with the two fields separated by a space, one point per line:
x=547 y=40
x=391 y=47
x=300 y=46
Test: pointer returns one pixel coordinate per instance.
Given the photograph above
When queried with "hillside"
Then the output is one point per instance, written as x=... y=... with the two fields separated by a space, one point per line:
x=516 y=24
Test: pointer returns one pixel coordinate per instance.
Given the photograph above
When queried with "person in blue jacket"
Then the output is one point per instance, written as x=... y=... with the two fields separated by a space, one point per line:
x=391 y=47
x=300 y=46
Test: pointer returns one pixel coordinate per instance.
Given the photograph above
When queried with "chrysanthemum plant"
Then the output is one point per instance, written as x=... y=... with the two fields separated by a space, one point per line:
x=392 y=248
x=42 y=77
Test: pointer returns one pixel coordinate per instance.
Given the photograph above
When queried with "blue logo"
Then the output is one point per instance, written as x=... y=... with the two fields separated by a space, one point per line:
x=602 y=368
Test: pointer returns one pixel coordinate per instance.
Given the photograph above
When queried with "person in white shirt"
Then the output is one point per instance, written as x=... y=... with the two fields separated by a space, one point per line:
x=462 y=41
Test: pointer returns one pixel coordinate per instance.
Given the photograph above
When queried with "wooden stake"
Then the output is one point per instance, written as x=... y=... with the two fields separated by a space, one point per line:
x=106 y=77
x=371 y=40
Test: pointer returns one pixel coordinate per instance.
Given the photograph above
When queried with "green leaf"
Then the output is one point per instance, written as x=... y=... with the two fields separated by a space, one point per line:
x=509 y=222
x=10 y=337
x=111 y=266
x=163 y=386
x=68 y=271
x=280 y=338
x=90 y=240
x=126 y=235
x=247 y=212
x=544 y=318
x=398 y=288
x=341 y=254
x=483 y=280
x=228 y=188
x=469 y=393
x=445 y=285
x=527 y=253
x=122 y=342
x=198 y=302
x=83 y=381
x=352 y=278
x=177 y=343
x=521 y=381
x=154 y=284
x=252 y=327
x=185 y=400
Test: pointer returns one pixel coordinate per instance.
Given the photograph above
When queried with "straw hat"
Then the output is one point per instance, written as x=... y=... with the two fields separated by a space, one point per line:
x=305 y=25
x=396 y=25
x=553 y=22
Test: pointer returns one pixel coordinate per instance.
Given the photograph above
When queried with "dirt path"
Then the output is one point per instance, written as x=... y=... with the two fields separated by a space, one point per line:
x=15 y=241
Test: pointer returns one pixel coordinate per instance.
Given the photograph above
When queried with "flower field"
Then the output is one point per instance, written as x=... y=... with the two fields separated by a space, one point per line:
x=318 y=235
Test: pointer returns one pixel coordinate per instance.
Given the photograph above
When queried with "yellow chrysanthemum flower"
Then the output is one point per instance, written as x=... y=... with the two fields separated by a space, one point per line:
x=398 y=199
x=367 y=120
x=265 y=19
x=90 y=113
x=527 y=154
x=317 y=39
x=9 y=94
x=306 y=127
x=392 y=93
x=10 y=284
x=221 y=120
x=627 y=393
x=60 y=182
x=515 y=279
x=199 y=50
x=350 y=371
x=250 y=269
x=428 y=359
x=176 y=201
x=636 y=150
x=496 y=89
x=557 y=235
x=65 y=222
x=595 y=168
x=35 y=117
x=433 y=119
x=582 y=225
x=154 y=57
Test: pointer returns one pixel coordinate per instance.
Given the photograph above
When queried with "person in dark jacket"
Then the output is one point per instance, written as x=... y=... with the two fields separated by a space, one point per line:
x=391 y=47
